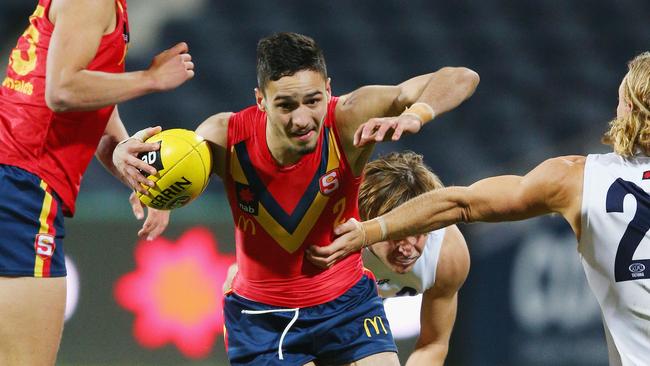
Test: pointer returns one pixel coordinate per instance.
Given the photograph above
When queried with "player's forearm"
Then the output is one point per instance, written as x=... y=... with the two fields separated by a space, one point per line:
x=443 y=90
x=91 y=90
x=104 y=154
x=113 y=134
x=427 y=212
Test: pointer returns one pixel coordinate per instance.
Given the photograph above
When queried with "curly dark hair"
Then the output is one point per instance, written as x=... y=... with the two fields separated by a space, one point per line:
x=284 y=54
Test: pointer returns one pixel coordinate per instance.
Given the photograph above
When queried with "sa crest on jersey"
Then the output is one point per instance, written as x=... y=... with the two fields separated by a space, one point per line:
x=329 y=182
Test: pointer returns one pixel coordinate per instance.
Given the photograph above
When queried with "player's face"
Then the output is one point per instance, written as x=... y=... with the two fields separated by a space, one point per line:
x=624 y=107
x=296 y=106
x=400 y=255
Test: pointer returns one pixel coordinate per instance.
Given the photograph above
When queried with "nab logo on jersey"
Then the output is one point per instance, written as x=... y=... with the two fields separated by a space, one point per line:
x=246 y=199
x=329 y=182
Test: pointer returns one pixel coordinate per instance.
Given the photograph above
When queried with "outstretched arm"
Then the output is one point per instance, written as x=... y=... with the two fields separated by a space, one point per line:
x=78 y=30
x=553 y=186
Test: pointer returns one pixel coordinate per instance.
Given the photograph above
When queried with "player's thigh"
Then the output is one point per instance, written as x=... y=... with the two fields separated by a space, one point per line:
x=383 y=358
x=31 y=320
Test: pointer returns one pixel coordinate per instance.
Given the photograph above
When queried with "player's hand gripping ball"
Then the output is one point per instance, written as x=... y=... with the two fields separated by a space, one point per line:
x=183 y=162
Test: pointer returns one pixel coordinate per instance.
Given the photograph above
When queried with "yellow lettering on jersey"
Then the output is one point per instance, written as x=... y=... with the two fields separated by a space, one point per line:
x=18 y=64
x=20 y=86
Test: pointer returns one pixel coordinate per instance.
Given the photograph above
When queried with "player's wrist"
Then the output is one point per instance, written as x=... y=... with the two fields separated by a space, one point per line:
x=134 y=137
x=421 y=111
x=374 y=231
x=149 y=82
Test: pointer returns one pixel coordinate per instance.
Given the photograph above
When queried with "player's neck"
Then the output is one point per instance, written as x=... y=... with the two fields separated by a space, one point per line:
x=280 y=150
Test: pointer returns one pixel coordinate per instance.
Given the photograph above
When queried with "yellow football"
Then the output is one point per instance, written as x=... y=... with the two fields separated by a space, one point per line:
x=183 y=163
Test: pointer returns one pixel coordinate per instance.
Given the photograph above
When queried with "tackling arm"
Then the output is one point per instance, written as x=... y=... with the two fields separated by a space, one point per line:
x=553 y=186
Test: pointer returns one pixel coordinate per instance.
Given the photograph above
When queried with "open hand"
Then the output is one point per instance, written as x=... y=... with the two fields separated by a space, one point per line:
x=380 y=129
x=156 y=221
x=350 y=240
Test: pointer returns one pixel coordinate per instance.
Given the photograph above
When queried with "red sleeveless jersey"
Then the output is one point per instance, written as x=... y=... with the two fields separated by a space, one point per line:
x=55 y=146
x=281 y=210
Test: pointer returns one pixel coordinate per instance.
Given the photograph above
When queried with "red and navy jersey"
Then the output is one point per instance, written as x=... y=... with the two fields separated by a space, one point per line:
x=55 y=146
x=281 y=210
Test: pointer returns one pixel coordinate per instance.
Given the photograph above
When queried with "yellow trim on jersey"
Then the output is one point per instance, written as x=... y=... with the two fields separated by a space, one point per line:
x=334 y=153
x=235 y=168
x=290 y=241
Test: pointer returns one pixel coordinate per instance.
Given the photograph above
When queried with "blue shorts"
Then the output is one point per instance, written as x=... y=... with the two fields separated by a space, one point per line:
x=31 y=226
x=346 y=329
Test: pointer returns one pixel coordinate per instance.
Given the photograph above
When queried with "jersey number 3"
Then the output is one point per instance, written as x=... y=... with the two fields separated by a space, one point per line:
x=626 y=268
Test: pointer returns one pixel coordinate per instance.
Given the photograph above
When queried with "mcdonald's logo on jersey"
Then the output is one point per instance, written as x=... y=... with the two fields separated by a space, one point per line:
x=375 y=322
x=243 y=223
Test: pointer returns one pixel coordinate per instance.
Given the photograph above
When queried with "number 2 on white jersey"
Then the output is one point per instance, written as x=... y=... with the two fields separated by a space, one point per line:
x=626 y=268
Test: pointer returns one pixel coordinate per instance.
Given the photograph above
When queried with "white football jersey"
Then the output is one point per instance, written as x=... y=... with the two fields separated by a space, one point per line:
x=416 y=281
x=615 y=251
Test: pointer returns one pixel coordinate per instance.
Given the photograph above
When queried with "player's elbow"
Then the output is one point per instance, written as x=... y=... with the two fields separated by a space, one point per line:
x=59 y=99
x=463 y=77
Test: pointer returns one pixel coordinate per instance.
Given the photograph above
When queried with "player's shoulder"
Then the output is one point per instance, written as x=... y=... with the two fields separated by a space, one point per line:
x=219 y=120
x=97 y=10
x=565 y=162
x=215 y=128
x=561 y=167
x=453 y=262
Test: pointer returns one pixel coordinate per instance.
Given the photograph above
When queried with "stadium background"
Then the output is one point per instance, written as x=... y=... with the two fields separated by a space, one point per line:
x=549 y=76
